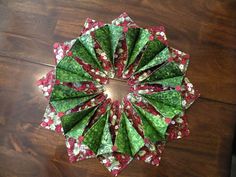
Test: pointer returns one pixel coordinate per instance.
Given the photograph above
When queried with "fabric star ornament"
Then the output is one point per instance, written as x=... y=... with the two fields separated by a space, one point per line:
x=147 y=118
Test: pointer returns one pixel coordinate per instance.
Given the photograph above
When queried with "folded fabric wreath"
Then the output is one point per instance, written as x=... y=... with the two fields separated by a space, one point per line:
x=147 y=118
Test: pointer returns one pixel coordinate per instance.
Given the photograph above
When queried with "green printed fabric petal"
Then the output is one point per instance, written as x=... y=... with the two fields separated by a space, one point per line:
x=106 y=141
x=166 y=71
x=153 y=48
x=74 y=124
x=131 y=37
x=154 y=126
x=158 y=59
x=69 y=103
x=171 y=82
x=64 y=98
x=128 y=140
x=102 y=36
x=122 y=140
x=98 y=137
x=69 y=70
x=108 y=37
x=116 y=33
x=88 y=43
x=67 y=76
x=135 y=140
x=83 y=48
x=61 y=92
x=168 y=103
x=136 y=39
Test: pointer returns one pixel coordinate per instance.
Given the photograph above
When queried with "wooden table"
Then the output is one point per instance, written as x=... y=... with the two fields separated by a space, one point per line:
x=203 y=28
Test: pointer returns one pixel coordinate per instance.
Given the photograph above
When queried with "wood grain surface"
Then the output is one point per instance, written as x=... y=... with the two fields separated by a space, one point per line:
x=206 y=29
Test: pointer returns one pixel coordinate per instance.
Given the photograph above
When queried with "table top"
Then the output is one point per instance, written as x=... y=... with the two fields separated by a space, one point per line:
x=204 y=29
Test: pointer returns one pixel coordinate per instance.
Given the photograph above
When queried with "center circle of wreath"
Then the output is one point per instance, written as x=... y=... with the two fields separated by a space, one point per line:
x=117 y=132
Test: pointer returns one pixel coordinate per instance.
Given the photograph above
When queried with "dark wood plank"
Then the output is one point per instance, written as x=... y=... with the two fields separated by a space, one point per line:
x=205 y=29
x=26 y=36
x=28 y=150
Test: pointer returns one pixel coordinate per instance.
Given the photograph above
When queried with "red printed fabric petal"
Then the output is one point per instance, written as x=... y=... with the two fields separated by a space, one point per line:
x=115 y=162
x=46 y=83
x=151 y=153
x=77 y=150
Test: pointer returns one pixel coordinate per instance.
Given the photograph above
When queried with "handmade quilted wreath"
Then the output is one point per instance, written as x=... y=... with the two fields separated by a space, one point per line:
x=147 y=118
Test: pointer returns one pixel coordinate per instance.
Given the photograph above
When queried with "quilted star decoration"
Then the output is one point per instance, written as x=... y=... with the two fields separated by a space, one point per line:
x=116 y=132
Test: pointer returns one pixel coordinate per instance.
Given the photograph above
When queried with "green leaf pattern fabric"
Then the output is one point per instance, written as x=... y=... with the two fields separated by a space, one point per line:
x=136 y=39
x=74 y=124
x=154 y=126
x=84 y=50
x=161 y=57
x=64 y=98
x=128 y=140
x=168 y=103
x=153 y=49
x=68 y=70
x=168 y=70
x=98 y=137
x=108 y=37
